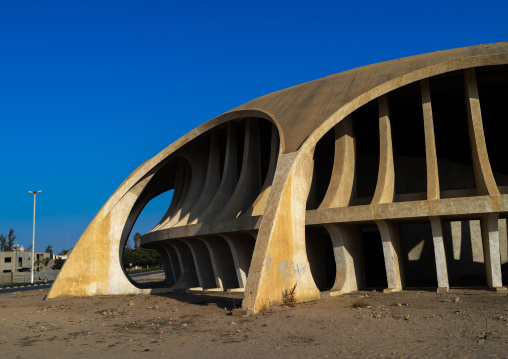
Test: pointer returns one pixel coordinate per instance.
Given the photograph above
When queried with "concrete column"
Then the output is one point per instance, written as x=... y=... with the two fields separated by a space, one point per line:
x=179 y=181
x=343 y=173
x=503 y=240
x=173 y=258
x=188 y=278
x=202 y=262
x=440 y=255
x=242 y=247
x=259 y=204
x=430 y=143
x=249 y=182
x=280 y=260
x=485 y=183
x=347 y=249
x=385 y=187
x=198 y=168
x=166 y=261
x=228 y=181
x=491 y=253
x=222 y=262
x=211 y=184
x=392 y=252
x=182 y=183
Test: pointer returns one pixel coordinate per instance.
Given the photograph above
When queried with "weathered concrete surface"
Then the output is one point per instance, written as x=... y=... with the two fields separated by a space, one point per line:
x=248 y=174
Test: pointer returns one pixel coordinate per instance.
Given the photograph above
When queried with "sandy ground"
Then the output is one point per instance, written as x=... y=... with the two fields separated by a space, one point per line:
x=409 y=324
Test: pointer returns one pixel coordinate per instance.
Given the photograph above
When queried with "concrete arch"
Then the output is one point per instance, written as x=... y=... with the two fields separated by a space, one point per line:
x=302 y=114
x=202 y=262
x=347 y=251
x=242 y=248
x=249 y=183
x=417 y=75
x=222 y=262
x=228 y=181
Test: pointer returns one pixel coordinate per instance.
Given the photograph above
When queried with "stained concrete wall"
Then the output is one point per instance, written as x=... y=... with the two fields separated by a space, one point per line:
x=249 y=184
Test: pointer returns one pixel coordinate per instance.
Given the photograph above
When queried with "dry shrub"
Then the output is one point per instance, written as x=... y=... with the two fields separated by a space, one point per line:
x=359 y=304
x=289 y=296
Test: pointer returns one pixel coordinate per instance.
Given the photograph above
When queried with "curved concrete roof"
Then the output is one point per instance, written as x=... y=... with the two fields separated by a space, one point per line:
x=301 y=109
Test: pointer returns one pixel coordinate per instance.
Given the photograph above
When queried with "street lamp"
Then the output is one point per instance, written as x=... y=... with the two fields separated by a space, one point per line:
x=33 y=235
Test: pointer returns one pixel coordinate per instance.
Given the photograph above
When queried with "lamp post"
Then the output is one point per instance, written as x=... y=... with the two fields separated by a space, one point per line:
x=33 y=235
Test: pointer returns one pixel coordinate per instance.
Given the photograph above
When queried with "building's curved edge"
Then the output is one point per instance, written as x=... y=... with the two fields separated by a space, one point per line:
x=266 y=285
x=94 y=265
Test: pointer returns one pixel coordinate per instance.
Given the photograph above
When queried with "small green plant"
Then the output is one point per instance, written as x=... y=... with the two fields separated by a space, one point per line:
x=289 y=296
x=359 y=304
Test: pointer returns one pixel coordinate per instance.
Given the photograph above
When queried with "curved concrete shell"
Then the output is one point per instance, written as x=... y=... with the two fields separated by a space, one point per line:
x=384 y=176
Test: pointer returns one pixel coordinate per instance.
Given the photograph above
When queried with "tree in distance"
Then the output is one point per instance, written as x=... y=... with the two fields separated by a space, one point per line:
x=137 y=240
x=44 y=262
x=6 y=244
x=58 y=263
x=140 y=256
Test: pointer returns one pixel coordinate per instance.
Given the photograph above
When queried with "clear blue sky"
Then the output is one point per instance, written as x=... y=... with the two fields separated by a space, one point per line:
x=91 y=89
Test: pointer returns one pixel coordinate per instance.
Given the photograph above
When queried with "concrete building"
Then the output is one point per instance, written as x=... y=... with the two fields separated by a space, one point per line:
x=385 y=176
x=15 y=265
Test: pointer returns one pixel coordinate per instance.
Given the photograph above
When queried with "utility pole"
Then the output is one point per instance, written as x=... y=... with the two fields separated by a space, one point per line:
x=33 y=235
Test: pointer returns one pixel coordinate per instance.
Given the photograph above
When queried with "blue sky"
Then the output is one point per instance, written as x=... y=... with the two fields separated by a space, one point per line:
x=91 y=89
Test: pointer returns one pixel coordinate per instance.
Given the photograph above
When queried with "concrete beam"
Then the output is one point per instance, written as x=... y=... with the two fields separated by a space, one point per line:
x=430 y=143
x=343 y=173
x=249 y=182
x=385 y=187
x=212 y=181
x=259 y=204
x=484 y=178
x=228 y=182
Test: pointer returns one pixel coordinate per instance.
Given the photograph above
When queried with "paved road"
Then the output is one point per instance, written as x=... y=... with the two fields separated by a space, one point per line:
x=148 y=273
x=23 y=289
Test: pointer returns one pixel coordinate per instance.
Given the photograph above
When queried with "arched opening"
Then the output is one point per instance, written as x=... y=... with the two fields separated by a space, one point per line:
x=321 y=257
x=366 y=133
x=408 y=139
x=453 y=146
x=220 y=175
x=322 y=171
x=144 y=265
x=151 y=205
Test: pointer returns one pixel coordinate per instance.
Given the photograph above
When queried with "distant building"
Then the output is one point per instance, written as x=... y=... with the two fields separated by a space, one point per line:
x=18 y=261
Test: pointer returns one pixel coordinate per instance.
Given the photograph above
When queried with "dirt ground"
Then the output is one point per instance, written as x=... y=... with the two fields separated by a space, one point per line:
x=409 y=324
